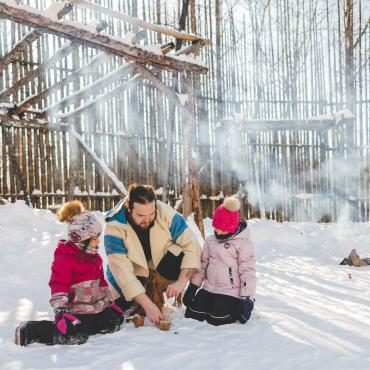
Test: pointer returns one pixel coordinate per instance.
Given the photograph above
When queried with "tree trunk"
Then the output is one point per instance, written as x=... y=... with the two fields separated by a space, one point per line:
x=349 y=76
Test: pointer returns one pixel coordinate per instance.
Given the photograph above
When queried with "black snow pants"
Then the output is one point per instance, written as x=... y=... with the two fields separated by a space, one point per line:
x=216 y=309
x=107 y=321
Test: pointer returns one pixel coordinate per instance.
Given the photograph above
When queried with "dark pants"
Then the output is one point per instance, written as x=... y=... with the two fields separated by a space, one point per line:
x=168 y=268
x=107 y=321
x=216 y=309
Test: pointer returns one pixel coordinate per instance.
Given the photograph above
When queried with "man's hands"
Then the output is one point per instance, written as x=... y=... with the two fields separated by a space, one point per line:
x=173 y=290
x=153 y=313
x=176 y=288
x=151 y=310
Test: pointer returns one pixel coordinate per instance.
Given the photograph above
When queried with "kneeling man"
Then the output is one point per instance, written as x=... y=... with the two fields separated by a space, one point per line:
x=150 y=249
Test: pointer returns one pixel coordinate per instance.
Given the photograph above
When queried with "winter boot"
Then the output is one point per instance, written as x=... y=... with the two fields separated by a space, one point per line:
x=355 y=259
x=24 y=334
x=77 y=337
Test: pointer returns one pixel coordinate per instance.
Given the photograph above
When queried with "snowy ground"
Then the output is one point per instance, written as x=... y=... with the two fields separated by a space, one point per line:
x=309 y=314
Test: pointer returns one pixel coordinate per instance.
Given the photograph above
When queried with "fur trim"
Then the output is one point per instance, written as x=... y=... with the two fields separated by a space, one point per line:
x=232 y=204
x=69 y=210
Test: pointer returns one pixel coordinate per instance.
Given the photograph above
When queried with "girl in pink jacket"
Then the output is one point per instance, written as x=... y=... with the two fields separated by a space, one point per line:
x=80 y=295
x=228 y=271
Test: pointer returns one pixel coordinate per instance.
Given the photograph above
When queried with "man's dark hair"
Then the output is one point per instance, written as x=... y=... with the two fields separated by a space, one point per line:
x=142 y=194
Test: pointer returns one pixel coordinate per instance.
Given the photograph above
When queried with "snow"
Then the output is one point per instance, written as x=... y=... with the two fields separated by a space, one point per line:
x=7 y=105
x=22 y=6
x=184 y=98
x=79 y=25
x=217 y=197
x=154 y=49
x=77 y=191
x=310 y=313
x=128 y=37
x=159 y=191
x=53 y=10
x=187 y=58
x=91 y=26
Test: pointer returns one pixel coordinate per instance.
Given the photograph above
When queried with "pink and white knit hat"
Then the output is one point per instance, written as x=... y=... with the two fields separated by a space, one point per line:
x=83 y=227
x=226 y=216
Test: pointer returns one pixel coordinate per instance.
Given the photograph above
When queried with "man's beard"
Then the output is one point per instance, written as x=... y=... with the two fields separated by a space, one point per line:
x=151 y=224
x=139 y=227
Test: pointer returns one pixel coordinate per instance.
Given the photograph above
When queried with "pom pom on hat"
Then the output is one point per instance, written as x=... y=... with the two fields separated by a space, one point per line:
x=232 y=204
x=70 y=209
x=81 y=225
x=226 y=216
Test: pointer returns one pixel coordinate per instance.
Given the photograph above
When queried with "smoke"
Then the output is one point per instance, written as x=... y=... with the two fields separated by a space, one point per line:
x=329 y=190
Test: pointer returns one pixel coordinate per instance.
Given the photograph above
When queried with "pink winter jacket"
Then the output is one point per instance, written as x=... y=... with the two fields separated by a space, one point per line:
x=77 y=280
x=228 y=266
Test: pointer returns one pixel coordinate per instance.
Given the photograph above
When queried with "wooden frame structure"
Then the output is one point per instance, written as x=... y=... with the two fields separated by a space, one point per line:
x=286 y=159
x=141 y=62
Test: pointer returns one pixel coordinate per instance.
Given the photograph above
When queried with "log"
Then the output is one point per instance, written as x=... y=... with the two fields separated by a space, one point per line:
x=139 y=22
x=27 y=40
x=192 y=49
x=101 y=165
x=83 y=71
x=80 y=35
x=60 y=53
x=19 y=122
x=93 y=88
x=156 y=81
x=18 y=49
x=100 y=99
x=15 y=164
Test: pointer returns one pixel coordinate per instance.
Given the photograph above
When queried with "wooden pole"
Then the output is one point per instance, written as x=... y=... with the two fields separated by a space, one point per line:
x=15 y=164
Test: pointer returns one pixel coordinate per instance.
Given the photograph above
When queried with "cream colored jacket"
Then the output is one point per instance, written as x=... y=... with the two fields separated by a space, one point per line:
x=126 y=258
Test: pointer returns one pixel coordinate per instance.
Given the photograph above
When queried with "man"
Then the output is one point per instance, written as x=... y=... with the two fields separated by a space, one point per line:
x=150 y=249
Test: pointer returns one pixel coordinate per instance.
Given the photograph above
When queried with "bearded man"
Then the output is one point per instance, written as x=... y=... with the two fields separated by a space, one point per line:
x=151 y=250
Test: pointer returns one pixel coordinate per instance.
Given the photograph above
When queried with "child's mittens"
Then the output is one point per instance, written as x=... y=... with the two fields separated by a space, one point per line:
x=61 y=315
x=189 y=294
x=247 y=305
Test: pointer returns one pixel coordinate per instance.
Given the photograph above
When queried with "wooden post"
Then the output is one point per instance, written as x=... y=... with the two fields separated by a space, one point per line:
x=15 y=164
x=192 y=157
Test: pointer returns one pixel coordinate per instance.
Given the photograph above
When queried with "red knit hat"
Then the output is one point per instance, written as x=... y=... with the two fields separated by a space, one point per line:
x=226 y=216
